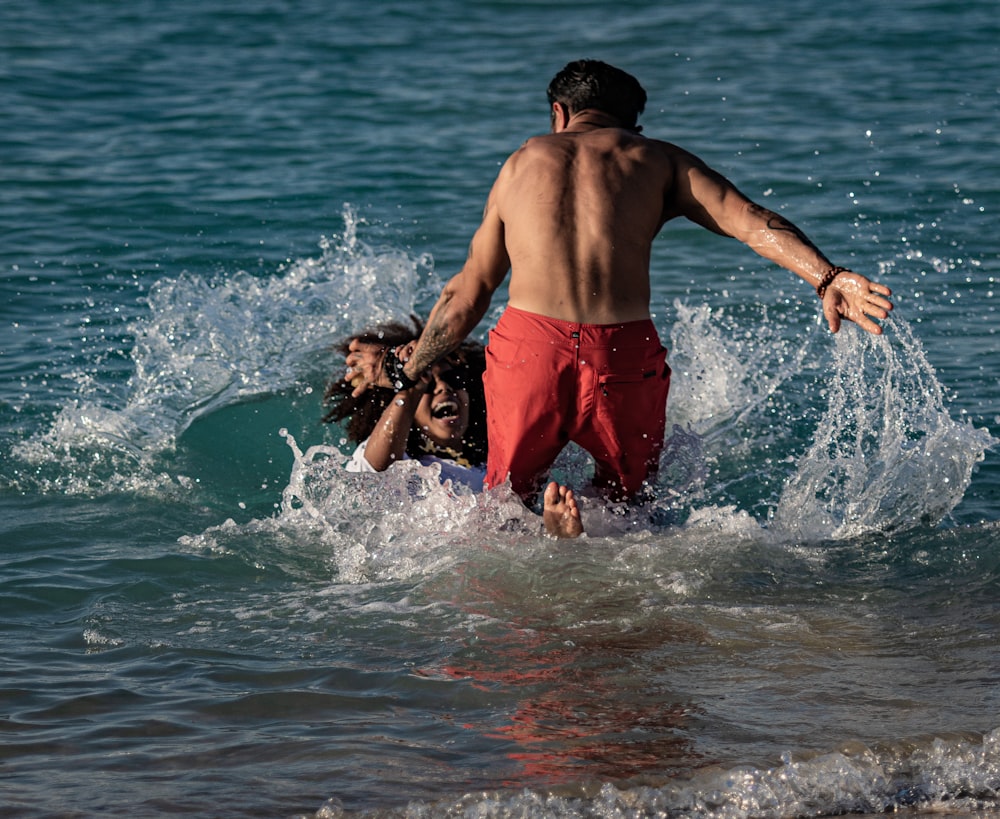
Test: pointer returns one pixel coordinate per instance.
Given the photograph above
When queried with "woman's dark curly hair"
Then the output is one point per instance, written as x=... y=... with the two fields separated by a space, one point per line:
x=363 y=413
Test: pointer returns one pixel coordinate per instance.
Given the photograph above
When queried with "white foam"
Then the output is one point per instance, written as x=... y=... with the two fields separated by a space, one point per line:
x=396 y=524
x=721 y=370
x=956 y=775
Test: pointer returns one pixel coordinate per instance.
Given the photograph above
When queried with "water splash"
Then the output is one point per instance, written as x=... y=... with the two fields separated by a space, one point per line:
x=400 y=523
x=886 y=455
x=728 y=369
x=723 y=369
x=209 y=343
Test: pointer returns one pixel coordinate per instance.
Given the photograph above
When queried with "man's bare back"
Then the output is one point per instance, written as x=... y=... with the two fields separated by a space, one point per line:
x=572 y=217
x=580 y=210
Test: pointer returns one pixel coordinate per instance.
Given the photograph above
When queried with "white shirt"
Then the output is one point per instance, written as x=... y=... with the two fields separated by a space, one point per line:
x=470 y=476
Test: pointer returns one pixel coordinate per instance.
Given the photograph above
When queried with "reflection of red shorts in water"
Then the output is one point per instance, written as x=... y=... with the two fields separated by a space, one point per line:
x=549 y=382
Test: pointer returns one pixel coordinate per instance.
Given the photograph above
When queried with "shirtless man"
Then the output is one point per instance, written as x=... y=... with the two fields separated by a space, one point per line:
x=575 y=356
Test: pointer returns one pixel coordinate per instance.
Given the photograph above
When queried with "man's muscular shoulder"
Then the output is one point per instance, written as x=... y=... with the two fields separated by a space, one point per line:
x=537 y=163
x=542 y=148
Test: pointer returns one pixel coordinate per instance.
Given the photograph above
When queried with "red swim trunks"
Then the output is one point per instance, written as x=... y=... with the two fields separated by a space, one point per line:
x=549 y=382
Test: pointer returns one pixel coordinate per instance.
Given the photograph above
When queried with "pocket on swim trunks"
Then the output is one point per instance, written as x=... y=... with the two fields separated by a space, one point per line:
x=616 y=385
x=634 y=402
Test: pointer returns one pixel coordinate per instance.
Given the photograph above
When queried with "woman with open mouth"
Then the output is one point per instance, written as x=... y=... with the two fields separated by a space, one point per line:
x=439 y=419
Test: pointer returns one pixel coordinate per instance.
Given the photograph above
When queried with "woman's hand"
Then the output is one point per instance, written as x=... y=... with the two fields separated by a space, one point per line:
x=365 y=366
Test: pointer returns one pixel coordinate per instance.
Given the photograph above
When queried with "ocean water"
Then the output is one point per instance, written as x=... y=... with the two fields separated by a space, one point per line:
x=201 y=614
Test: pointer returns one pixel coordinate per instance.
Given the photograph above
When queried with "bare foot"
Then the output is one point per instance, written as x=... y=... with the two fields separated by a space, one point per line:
x=560 y=512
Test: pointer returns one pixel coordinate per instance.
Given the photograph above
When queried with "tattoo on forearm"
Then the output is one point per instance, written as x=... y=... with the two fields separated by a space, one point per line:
x=436 y=341
x=439 y=342
x=780 y=224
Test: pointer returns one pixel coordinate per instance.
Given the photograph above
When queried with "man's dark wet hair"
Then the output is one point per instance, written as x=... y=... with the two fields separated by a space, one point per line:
x=361 y=414
x=594 y=84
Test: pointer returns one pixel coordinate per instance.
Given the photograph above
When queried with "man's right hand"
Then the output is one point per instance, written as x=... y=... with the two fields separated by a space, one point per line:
x=366 y=365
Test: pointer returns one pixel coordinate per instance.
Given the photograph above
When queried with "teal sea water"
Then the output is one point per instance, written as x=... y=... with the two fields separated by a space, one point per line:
x=201 y=614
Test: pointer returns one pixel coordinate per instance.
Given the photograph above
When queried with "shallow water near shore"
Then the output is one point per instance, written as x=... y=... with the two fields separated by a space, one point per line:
x=204 y=615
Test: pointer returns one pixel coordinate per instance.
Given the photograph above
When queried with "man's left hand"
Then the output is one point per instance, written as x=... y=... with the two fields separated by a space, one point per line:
x=853 y=297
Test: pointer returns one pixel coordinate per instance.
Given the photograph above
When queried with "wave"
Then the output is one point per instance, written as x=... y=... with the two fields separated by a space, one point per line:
x=957 y=774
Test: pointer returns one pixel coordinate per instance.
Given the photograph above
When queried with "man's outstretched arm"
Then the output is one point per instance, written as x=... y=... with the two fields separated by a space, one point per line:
x=710 y=200
x=844 y=293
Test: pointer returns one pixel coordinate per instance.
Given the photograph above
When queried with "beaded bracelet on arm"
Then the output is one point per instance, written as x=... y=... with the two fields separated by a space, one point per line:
x=828 y=278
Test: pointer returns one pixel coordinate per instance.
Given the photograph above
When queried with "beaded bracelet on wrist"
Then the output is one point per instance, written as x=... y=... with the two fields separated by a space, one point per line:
x=828 y=278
